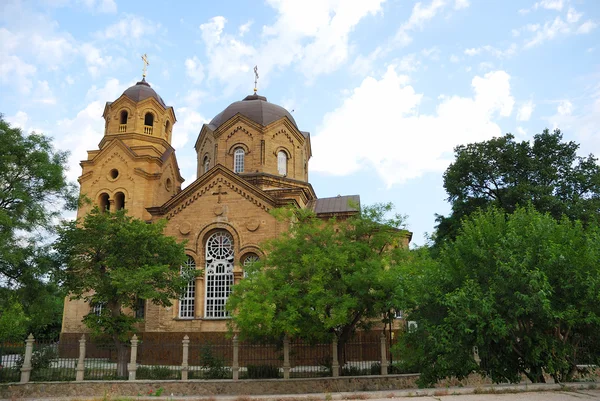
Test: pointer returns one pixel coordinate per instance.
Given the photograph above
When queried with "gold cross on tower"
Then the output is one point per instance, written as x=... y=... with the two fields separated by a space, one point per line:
x=219 y=193
x=146 y=63
x=255 y=79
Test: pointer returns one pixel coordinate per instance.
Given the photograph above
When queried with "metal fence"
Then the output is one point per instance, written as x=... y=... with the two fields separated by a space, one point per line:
x=216 y=357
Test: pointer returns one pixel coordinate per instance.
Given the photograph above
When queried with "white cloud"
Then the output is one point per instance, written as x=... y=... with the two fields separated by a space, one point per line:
x=129 y=29
x=43 y=93
x=557 y=27
x=460 y=4
x=508 y=52
x=188 y=126
x=16 y=73
x=103 y=6
x=586 y=27
x=556 y=5
x=433 y=53
x=194 y=69
x=565 y=108
x=402 y=143
x=19 y=120
x=95 y=61
x=525 y=111
x=549 y=31
x=245 y=28
x=454 y=58
x=417 y=19
x=521 y=132
x=573 y=16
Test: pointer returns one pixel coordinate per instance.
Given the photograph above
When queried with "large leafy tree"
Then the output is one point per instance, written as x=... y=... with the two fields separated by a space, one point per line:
x=113 y=260
x=322 y=278
x=524 y=288
x=33 y=192
x=502 y=172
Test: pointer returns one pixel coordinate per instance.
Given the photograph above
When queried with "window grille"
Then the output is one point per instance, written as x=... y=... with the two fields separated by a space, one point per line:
x=186 y=302
x=219 y=274
x=97 y=308
x=282 y=162
x=238 y=160
x=249 y=260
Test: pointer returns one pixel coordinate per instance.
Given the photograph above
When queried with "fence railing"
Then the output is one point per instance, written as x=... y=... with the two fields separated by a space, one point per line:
x=217 y=358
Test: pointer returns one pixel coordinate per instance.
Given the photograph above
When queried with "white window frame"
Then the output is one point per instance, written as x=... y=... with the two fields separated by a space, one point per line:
x=238 y=160
x=187 y=301
x=282 y=162
x=96 y=309
x=206 y=164
x=249 y=259
x=219 y=255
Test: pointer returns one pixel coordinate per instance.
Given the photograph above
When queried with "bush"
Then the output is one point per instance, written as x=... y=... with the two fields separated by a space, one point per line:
x=214 y=367
x=376 y=368
x=157 y=373
x=351 y=371
x=41 y=357
x=263 y=372
x=10 y=375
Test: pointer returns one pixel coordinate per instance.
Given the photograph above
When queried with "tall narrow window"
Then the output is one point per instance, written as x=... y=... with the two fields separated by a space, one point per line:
x=124 y=117
x=149 y=119
x=219 y=273
x=104 y=203
x=187 y=300
x=206 y=163
x=238 y=160
x=249 y=260
x=140 y=308
x=282 y=162
x=119 y=201
x=167 y=128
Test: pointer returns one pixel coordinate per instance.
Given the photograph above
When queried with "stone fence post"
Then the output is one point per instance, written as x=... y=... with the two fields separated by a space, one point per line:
x=184 y=359
x=286 y=357
x=335 y=364
x=80 y=369
x=132 y=366
x=235 y=365
x=384 y=361
x=26 y=369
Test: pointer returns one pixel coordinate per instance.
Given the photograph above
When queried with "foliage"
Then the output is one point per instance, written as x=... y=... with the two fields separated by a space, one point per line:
x=13 y=321
x=504 y=173
x=523 y=288
x=112 y=259
x=214 y=366
x=321 y=278
x=157 y=373
x=262 y=371
x=33 y=192
x=42 y=357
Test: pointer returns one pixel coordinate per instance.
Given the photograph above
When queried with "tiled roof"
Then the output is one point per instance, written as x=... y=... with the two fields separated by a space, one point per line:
x=337 y=204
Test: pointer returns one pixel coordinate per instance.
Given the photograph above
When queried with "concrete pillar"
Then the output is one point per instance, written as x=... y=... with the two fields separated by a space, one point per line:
x=80 y=369
x=184 y=360
x=384 y=361
x=132 y=366
x=26 y=368
x=335 y=364
x=235 y=364
x=286 y=357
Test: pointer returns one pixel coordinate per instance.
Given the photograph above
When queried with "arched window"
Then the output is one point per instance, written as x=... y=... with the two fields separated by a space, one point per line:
x=248 y=260
x=187 y=300
x=206 y=164
x=123 y=121
x=238 y=160
x=219 y=273
x=282 y=162
x=149 y=119
x=119 y=201
x=104 y=202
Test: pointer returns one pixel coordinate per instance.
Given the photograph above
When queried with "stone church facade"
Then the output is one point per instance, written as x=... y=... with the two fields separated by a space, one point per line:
x=252 y=157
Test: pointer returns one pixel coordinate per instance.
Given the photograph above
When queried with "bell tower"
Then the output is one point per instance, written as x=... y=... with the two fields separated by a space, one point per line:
x=134 y=166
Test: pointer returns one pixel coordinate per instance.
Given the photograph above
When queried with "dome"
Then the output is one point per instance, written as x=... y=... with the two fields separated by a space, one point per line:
x=141 y=91
x=256 y=108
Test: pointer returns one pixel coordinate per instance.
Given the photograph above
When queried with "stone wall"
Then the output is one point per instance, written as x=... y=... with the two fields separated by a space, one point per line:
x=208 y=387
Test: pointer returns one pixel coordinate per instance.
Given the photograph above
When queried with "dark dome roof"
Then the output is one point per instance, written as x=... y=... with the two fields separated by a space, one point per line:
x=256 y=108
x=141 y=91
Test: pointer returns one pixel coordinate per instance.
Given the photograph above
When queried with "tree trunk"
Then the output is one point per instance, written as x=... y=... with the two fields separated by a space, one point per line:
x=121 y=358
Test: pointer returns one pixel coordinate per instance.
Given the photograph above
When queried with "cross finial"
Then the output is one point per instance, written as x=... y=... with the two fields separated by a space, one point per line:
x=219 y=193
x=146 y=63
x=255 y=79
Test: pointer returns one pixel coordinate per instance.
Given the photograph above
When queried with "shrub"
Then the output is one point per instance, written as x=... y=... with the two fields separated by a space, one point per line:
x=41 y=358
x=157 y=373
x=263 y=372
x=214 y=366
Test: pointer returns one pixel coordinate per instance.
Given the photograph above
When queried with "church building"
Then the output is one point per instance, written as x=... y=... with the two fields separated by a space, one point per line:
x=251 y=158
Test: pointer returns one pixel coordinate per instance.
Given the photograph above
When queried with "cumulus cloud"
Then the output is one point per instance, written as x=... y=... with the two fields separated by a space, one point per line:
x=499 y=53
x=129 y=28
x=194 y=69
x=524 y=113
x=379 y=126
x=565 y=108
x=419 y=16
x=189 y=123
x=102 y=6
x=18 y=120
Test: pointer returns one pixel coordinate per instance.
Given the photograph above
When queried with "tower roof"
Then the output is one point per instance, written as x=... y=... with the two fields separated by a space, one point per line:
x=141 y=91
x=254 y=107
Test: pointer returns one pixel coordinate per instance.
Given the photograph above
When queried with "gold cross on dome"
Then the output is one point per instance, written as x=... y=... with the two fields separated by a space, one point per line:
x=219 y=192
x=146 y=63
x=255 y=79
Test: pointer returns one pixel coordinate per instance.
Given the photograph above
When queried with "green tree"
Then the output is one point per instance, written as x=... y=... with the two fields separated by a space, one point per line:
x=112 y=260
x=33 y=193
x=504 y=173
x=524 y=288
x=321 y=278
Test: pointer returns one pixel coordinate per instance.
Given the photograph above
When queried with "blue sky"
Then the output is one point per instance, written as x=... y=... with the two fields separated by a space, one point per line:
x=386 y=88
